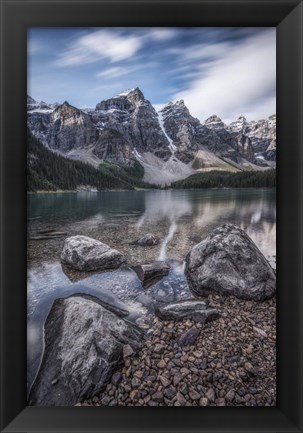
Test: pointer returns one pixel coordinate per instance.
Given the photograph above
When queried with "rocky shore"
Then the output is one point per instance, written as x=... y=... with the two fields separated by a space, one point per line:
x=231 y=361
x=215 y=348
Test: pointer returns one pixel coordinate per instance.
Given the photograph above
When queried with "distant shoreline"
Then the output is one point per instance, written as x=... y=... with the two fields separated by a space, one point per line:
x=149 y=189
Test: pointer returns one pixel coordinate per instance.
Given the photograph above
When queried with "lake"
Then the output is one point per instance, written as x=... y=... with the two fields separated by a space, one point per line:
x=179 y=218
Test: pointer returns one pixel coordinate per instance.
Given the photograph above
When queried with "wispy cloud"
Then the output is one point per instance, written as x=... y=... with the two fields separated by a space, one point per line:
x=101 y=44
x=161 y=33
x=240 y=79
x=113 y=72
x=34 y=47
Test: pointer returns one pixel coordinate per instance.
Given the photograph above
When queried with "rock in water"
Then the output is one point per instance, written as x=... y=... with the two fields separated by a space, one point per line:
x=87 y=254
x=147 y=240
x=83 y=347
x=149 y=273
x=190 y=309
x=228 y=262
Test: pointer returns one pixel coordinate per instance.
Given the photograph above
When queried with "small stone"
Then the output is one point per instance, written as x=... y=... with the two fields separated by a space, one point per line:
x=134 y=394
x=165 y=382
x=249 y=368
x=116 y=378
x=249 y=350
x=138 y=373
x=153 y=403
x=158 y=396
x=181 y=399
x=177 y=379
x=194 y=395
x=189 y=337
x=197 y=354
x=220 y=402
x=53 y=382
x=185 y=371
x=260 y=331
x=230 y=395
x=170 y=392
x=253 y=390
x=105 y=400
x=210 y=394
x=147 y=399
x=127 y=351
x=159 y=348
x=203 y=401
x=161 y=364
x=113 y=403
x=136 y=382
x=151 y=378
x=183 y=388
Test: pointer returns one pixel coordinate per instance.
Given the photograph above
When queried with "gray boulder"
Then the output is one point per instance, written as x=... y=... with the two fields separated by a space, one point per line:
x=150 y=273
x=192 y=309
x=87 y=254
x=83 y=347
x=229 y=263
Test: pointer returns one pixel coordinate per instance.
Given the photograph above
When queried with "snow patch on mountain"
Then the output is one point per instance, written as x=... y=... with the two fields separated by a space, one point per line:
x=171 y=145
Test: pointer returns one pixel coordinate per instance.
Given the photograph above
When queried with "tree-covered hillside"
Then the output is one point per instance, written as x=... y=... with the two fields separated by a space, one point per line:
x=224 y=179
x=48 y=171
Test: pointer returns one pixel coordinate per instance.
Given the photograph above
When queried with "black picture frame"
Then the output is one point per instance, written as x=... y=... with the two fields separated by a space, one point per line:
x=16 y=17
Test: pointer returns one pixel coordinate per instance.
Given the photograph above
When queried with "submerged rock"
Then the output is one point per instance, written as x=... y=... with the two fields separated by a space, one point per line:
x=84 y=345
x=228 y=262
x=163 y=293
x=147 y=240
x=150 y=273
x=193 y=309
x=87 y=254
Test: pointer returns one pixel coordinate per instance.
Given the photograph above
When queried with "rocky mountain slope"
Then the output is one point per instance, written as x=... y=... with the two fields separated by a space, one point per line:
x=170 y=145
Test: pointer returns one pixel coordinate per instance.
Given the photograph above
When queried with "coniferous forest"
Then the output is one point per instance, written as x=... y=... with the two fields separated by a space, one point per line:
x=225 y=179
x=48 y=171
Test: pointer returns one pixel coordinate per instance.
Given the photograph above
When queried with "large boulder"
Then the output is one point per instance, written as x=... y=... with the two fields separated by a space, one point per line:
x=83 y=347
x=229 y=263
x=87 y=254
x=192 y=309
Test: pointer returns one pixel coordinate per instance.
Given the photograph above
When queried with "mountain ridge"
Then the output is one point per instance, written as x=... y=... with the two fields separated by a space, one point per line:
x=170 y=144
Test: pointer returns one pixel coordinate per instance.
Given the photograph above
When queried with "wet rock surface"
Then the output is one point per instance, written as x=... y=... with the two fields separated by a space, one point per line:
x=193 y=309
x=87 y=254
x=70 y=372
x=228 y=262
x=229 y=363
x=149 y=273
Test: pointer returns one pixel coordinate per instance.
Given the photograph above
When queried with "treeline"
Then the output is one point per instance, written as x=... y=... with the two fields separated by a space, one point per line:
x=225 y=179
x=48 y=171
x=130 y=175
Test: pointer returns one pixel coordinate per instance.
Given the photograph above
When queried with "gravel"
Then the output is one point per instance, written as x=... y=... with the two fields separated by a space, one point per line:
x=232 y=362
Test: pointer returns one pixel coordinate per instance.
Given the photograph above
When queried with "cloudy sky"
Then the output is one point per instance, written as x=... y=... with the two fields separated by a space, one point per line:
x=223 y=71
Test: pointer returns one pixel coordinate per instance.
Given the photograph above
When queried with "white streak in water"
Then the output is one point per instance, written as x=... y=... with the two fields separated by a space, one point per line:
x=171 y=232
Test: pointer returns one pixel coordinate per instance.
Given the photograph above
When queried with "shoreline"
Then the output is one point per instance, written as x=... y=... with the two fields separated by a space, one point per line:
x=148 y=189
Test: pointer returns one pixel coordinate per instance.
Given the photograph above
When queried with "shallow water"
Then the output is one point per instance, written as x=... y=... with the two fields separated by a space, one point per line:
x=179 y=218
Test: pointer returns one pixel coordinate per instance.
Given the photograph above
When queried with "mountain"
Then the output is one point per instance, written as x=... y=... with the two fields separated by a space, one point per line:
x=262 y=134
x=47 y=170
x=169 y=145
